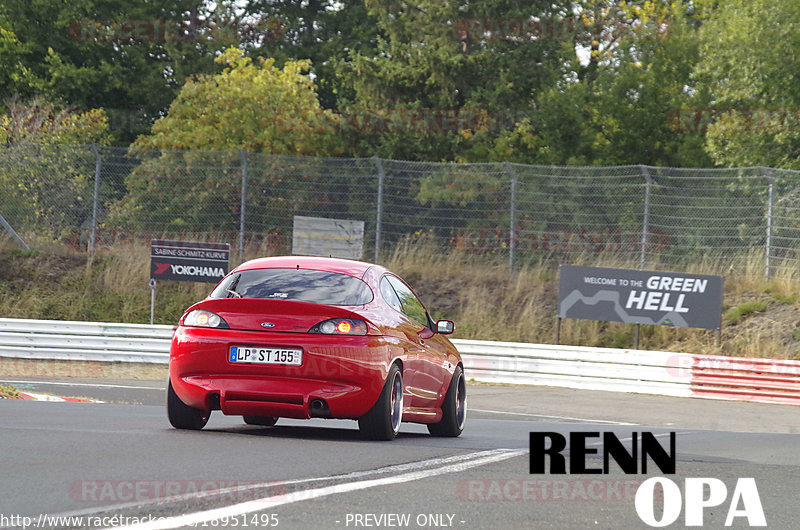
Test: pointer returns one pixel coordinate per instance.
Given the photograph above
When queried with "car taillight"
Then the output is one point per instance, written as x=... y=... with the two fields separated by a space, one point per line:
x=204 y=319
x=340 y=326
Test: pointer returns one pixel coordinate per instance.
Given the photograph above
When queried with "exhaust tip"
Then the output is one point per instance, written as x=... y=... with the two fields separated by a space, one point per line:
x=213 y=402
x=319 y=409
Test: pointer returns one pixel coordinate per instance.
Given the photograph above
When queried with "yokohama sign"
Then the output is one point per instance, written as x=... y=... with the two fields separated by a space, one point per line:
x=183 y=261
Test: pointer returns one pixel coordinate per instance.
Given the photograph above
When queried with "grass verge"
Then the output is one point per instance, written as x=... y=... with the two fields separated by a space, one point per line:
x=9 y=392
x=486 y=301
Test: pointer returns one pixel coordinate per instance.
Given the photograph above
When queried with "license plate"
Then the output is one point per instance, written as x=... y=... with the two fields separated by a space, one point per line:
x=248 y=354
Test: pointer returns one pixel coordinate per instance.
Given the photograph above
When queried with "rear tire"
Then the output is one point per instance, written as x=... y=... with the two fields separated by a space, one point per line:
x=181 y=415
x=264 y=421
x=454 y=408
x=382 y=422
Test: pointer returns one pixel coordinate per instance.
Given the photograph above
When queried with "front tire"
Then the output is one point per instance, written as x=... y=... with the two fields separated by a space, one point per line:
x=382 y=422
x=264 y=421
x=181 y=415
x=454 y=408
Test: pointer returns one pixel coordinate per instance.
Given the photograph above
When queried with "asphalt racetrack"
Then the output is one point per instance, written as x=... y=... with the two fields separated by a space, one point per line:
x=120 y=463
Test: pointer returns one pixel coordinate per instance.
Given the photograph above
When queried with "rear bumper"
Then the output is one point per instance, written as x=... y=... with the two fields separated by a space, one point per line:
x=346 y=372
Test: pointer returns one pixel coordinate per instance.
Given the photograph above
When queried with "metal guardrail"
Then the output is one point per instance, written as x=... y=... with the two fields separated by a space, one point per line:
x=84 y=341
x=639 y=371
x=648 y=372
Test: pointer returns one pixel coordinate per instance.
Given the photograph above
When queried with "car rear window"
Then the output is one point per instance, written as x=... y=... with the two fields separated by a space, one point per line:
x=300 y=285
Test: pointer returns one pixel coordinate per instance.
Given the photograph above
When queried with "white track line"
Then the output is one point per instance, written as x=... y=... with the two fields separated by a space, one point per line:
x=303 y=495
x=243 y=488
x=588 y=420
x=94 y=385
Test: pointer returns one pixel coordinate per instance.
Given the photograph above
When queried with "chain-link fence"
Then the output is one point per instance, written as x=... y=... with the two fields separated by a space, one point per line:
x=93 y=198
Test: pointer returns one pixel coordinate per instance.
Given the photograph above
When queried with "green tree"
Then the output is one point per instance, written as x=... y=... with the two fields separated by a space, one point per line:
x=620 y=97
x=626 y=73
x=129 y=57
x=430 y=59
x=11 y=50
x=40 y=122
x=321 y=31
x=190 y=177
x=46 y=183
x=750 y=54
x=250 y=105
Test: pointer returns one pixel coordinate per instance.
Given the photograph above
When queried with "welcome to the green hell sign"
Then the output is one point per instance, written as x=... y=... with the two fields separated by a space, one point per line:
x=640 y=297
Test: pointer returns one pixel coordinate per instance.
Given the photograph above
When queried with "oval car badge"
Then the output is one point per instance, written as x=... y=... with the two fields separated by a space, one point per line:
x=267 y=325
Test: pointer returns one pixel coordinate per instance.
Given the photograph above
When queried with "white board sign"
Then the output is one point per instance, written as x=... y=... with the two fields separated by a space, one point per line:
x=319 y=236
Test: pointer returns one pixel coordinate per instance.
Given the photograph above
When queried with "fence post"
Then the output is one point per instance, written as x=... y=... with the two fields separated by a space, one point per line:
x=646 y=220
x=243 y=160
x=767 y=247
x=13 y=233
x=379 y=209
x=97 y=167
x=512 y=223
x=645 y=228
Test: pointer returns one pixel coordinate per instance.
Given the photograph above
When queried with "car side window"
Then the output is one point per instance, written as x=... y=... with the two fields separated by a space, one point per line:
x=411 y=306
x=389 y=295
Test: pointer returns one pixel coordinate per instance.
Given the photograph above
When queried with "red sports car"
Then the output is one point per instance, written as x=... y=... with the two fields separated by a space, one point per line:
x=303 y=337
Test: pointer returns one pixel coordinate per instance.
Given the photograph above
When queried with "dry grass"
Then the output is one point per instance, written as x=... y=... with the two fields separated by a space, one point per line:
x=109 y=287
x=487 y=302
x=480 y=294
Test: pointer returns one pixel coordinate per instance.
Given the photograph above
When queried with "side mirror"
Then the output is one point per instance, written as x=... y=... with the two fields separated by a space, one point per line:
x=445 y=327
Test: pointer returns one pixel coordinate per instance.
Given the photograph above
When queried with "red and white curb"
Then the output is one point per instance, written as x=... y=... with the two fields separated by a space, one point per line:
x=746 y=379
x=31 y=396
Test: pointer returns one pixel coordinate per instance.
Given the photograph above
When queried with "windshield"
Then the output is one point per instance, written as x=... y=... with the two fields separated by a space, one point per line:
x=300 y=285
